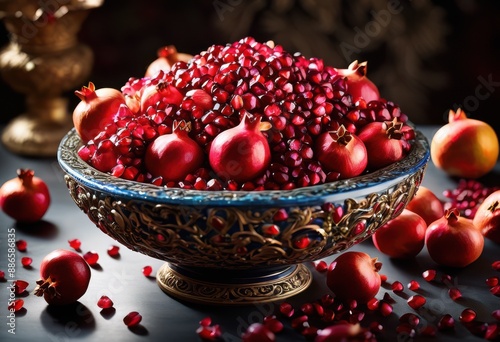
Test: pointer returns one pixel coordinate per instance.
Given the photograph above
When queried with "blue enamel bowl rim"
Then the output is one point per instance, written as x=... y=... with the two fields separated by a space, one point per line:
x=81 y=172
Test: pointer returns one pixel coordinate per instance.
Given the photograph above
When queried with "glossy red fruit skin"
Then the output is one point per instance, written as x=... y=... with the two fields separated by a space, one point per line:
x=97 y=109
x=427 y=205
x=453 y=240
x=27 y=192
x=173 y=156
x=401 y=237
x=68 y=272
x=258 y=332
x=464 y=147
x=354 y=277
x=342 y=152
x=487 y=217
x=383 y=143
x=358 y=85
x=240 y=153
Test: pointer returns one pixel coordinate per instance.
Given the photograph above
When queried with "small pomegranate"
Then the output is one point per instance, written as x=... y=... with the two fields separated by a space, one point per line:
x=163 y=92
x=453 y=240
x=383 y=143
x=487 y=217
x=358 y=85
x=96 y=110
x=173 y=156
x=401 y=237
x=241 y=153
x=25 y=198
x=166 y=57
x=343 y=152
x=65 y=277
x=464 y=147
x=427 y=205
x=354 y=276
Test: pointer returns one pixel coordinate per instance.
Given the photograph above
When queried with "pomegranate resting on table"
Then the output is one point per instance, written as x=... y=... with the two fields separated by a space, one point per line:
x=245 y=116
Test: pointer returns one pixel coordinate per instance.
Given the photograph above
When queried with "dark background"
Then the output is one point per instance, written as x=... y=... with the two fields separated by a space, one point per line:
x=428 y=56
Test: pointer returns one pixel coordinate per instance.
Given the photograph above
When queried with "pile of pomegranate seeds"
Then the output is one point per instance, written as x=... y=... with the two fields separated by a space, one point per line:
x=300 y=98
x=467 y=196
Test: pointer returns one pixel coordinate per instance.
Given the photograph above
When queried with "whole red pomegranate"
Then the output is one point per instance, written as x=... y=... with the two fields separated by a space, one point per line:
x=358 y=85
x=174 y=156
x=25 y=198
x=383 y=143
x=166 y=57
x=97 y=109
x=487 y=217
x=427 y=205
x=241 y=153
x=163 y=92
x=343 y=152
x=464 y=147
x=401 y=237
x=65 y=277
x=453 y=241
x=354 y=275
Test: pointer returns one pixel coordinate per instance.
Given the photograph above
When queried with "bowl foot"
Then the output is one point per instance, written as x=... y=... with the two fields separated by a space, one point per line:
x=233 y=287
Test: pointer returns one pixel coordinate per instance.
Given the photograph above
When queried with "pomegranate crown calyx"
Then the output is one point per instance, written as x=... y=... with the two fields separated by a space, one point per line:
x=494 y=206
x=452 y=214
x=181 y=126
x=456 y=116
x=359 y=68
x=394 y=129
x=166 y=51
x=254 y=122
x=25 y=175
x=341 y=135
x=86 y=93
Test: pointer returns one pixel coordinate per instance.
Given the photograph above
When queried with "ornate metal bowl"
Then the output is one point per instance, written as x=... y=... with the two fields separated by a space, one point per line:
x=237 y=247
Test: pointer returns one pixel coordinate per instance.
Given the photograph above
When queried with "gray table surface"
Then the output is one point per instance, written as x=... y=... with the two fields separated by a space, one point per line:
x=167 y=319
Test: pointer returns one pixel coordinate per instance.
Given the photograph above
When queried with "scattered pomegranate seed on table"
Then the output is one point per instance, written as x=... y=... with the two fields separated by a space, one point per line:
x=21 y=245
x=75 y=244
x=467 y=315
x=16 y=305
x=91 y=258
x=26 y=261
x=147 y=270
x=105 y=302
x=20 y=286
x=132 y=319
x=416 y=301
x=113 y=251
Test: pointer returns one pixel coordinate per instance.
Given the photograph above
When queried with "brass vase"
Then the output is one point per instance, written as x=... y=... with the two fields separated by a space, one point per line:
x=43 y=60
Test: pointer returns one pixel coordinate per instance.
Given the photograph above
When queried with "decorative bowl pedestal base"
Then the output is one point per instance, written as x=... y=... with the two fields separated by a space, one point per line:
x=233 y=287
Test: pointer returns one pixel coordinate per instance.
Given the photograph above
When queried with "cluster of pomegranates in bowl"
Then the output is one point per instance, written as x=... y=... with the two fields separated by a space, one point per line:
x=245 y=116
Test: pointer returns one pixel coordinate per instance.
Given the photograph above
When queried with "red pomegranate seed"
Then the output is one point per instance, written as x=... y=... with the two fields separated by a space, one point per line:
x=416 y=301
x=492 y=281
x=410 y=318
x=286 y=309
x=91 y=258
x=413 y=285
x=20 y=286
x=327 y=300
x=321 y=266
x=467 y=315
x=496 y=265
x=21 y=245
x=2 y=275
x=26 y=261
x=206 y=321
x=495 y=290
x=385 y=308
x=132 y=319
x=446 y=279
x=147 y=270
x=16 y=305
x=446 y=322
x=75 y=244
x=383 y=278
x=397 y=286
x=376 y=328
x=302 y=242
x=405 y=329
x=373 y=304
x=307 y=308
x=105 y=302
x=273 y=324
x=300 y=322
x=427 y=330
x=496 y=314
x=328 y=316
x=209 y=333
x=280 y=215
x=113 y=251
x=429 y=275
x=492 y=331
x=454 y=293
